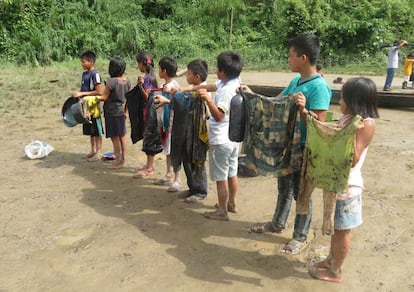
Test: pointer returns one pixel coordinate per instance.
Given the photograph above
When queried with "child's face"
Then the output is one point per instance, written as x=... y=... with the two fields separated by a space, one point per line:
x=142 y=67
x=193 y=79
x=220 y=74
x=162 y=73
x=86 y=64
x=296 y=62
x=342 y=106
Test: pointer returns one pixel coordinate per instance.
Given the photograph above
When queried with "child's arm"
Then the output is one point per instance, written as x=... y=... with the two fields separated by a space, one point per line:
x=160 y=100
x=216 y=112
x=363 y=138
x=208 y=87
x=106 y=94
x=96 y=91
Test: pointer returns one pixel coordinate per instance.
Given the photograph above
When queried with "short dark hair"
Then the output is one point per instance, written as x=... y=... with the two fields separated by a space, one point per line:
x=169 y=64
x=88 y=55
x=200 y=67
x=117 y=67
x=231 y=63
x=360 y=97
x=306 y=44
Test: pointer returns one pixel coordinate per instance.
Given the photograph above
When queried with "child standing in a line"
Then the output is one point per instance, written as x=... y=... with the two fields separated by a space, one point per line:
x=148 y=82
x=91 y=86
x=146 y=66
x=358 y=97
x=223 y=152
x=167 y=71
x=197 y=71
x=114 y=109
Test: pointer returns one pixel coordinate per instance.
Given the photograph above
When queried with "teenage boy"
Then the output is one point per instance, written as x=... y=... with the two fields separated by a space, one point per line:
x=303 y=55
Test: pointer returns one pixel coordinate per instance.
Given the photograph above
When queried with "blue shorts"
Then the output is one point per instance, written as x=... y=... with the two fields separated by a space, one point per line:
x=348 y=213
x=223 y=161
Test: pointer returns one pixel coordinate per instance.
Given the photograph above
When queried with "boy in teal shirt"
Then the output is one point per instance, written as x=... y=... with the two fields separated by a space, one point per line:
x=303 y=54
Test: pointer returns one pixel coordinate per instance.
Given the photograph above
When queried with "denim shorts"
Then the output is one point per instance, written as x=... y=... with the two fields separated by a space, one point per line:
x=223 y=161
x=348 y=213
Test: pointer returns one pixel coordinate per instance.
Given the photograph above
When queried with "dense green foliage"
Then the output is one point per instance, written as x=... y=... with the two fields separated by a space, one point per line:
x=42 y=31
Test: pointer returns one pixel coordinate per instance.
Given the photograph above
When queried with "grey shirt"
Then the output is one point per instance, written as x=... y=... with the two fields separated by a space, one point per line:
x=114 y=105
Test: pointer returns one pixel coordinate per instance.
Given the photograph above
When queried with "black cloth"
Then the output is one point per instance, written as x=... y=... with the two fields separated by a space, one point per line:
x=186 y=147
x=136 y=105
x=151 y=143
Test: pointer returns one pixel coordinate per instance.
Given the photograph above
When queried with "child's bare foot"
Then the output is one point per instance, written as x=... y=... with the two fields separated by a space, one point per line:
x=95 y=157
x=89 y=155
x=231 y=207
x=326 y=275
x=119 y=164
x=144 y=173
x=325 y=264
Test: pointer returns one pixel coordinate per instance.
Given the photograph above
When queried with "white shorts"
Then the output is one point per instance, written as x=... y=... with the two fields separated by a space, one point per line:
x=223 y=161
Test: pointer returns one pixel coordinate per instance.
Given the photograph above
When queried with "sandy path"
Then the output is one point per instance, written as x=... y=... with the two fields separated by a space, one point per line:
x=70 y=225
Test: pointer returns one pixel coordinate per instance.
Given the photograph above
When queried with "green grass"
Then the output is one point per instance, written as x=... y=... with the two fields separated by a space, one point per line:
x=25 y=87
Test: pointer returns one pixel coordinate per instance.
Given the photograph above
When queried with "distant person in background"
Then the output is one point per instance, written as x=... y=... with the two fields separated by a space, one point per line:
x=319 y=70
x=392 y=63
x=91 y=86
x=408 y=70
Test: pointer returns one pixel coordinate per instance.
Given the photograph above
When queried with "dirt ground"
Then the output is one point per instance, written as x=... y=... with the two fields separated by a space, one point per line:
x=72 y=225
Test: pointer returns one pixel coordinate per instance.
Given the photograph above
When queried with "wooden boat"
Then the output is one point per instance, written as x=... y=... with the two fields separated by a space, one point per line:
x=386 y=99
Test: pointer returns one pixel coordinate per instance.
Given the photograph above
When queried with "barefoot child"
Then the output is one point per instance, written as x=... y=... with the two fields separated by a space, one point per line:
x=114 y=109
x=91 y=86
x=358 y=97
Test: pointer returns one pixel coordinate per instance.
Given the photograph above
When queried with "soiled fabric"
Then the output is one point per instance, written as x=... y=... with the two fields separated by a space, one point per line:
x=151 y=144
x=189 y=139
x=327 y=164
x=272 y=139
x=136 y=106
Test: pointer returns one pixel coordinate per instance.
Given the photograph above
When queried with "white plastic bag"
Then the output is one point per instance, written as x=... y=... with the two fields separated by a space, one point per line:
x=37 y=149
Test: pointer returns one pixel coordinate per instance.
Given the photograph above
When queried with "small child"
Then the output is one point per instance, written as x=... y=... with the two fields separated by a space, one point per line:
x=114 y=109
x=197 y=72
x=408 y=70
x=148 y=82
x=167 y=71
x=91 y=86
x=358 y=97
x=223 y=153
x=146 y=66
x=319 y=70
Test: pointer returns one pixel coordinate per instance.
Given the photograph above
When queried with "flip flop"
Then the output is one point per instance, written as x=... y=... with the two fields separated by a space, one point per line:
x=230 y=208
x=326 y=275
x=175 y=187
x=294 y=246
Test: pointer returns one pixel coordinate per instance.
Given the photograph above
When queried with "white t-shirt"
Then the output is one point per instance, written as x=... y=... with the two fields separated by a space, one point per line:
x=393 y=57
x=219 y=131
